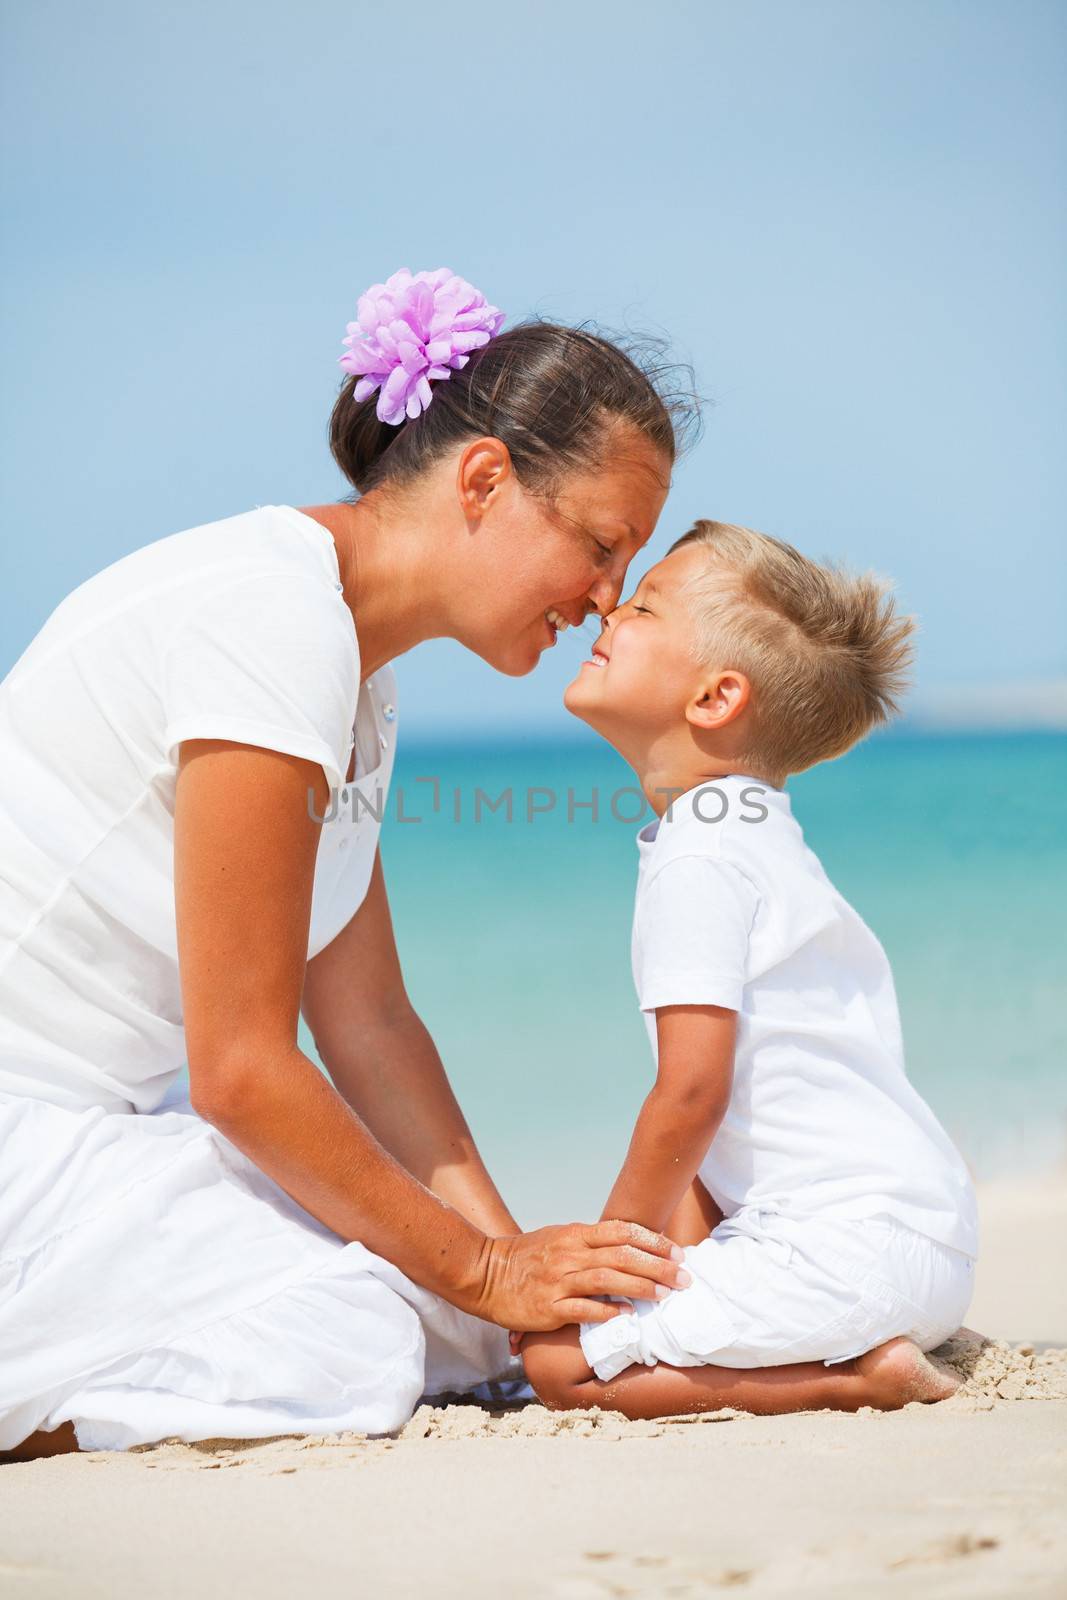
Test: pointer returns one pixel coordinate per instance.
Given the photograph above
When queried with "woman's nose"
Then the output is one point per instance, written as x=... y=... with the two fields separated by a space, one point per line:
x=605 y=593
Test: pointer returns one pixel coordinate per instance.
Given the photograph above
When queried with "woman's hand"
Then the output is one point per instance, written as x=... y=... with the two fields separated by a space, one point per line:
x=535 y=1282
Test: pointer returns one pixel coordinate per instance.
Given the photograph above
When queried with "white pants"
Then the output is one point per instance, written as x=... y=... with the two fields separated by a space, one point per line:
x=769 y=1290
x=155 y=1283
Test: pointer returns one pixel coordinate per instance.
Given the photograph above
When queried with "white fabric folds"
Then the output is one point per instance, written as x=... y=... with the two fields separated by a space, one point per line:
x=155 y=1283
x=770 y=1290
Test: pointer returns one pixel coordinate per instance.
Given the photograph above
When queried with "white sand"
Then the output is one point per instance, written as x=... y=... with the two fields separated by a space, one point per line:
x=1021 y=1289
x=960 y=1498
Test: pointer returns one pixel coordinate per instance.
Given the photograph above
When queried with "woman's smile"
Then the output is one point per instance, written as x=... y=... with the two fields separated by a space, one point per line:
x=557 y=623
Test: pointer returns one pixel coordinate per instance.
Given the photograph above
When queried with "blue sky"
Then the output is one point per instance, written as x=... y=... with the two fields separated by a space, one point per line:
x=848 y=214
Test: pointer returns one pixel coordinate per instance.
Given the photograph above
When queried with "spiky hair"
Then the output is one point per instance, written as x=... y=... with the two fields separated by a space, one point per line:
x=825 y=650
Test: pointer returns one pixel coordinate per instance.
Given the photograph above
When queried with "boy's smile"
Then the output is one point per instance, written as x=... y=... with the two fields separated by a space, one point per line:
x=673 y=716
x=644 y=665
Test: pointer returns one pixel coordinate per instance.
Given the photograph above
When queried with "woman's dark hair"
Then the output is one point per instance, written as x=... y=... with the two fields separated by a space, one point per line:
x=551 y=393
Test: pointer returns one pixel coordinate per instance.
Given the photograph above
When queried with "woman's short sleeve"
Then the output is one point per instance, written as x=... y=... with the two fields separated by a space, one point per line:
x=269 y=659
x=695 y=918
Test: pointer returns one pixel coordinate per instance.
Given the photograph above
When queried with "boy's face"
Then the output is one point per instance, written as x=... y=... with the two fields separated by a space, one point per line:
x=643 y=670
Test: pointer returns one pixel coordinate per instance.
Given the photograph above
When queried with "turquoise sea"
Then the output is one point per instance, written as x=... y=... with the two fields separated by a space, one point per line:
x=515 y=939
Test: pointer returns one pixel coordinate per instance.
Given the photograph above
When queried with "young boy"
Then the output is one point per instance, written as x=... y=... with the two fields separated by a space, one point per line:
x=836 y=1220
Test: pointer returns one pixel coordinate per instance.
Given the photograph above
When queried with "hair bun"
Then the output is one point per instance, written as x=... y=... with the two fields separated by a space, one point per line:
x=410 y=329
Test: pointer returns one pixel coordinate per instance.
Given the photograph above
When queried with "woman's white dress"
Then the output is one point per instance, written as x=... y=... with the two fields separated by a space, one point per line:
x=153 y=1281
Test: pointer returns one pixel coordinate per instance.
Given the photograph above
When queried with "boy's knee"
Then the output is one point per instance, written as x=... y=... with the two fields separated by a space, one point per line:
x=556 y=1368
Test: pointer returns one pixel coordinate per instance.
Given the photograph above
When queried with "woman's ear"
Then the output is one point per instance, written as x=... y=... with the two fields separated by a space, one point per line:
x=484 y=468
x=720 y=698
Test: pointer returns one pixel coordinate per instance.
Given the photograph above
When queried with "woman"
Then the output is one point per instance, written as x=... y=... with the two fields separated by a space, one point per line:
x=290 y=1254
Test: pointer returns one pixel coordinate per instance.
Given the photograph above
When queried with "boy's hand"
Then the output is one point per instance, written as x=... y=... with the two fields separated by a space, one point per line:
x=517 y=1340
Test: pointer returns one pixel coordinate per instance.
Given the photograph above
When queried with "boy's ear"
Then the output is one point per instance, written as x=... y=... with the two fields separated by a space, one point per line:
x=718 y=700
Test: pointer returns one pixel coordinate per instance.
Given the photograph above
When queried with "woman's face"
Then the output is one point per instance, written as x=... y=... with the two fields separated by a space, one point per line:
x=537 y=568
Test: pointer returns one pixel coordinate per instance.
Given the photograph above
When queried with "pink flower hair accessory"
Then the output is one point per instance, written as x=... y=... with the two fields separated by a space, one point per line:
x=410 y=329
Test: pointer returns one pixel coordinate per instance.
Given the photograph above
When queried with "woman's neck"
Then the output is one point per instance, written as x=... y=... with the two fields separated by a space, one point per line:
x=382 y=563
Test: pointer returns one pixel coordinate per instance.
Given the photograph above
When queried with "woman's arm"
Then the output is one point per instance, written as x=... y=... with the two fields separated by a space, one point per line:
x=681 y=1114
x=244 y=858
x=386 y=1066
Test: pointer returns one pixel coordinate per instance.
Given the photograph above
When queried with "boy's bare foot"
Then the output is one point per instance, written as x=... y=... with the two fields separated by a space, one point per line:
x=897 y=1372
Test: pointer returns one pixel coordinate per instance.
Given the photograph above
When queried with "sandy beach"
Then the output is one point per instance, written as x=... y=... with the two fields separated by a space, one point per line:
x=960 y=1498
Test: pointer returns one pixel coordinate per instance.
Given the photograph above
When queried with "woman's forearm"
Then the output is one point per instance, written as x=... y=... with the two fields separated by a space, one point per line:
x=277 y=1107
x=284 y=1115
x=393 y=1078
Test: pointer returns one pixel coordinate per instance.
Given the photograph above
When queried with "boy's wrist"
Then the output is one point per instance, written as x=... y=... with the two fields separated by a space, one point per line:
x=631 y=1207
x=653 y=1201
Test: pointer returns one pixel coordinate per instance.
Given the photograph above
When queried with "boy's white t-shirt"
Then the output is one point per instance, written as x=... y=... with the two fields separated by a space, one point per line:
x=236 y=629
x=734 y=909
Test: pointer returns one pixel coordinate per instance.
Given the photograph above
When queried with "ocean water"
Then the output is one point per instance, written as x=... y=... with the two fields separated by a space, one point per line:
x=515 y=939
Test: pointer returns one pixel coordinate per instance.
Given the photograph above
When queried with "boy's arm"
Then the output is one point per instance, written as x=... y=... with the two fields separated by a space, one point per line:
x=681 y=1114
x=695 y=1217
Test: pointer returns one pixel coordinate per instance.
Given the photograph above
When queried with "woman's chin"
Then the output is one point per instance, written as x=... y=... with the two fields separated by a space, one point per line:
x=516 y=661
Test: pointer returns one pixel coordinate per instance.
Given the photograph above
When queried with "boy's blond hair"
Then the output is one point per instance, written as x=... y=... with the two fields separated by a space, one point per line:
x=825 y=650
